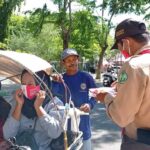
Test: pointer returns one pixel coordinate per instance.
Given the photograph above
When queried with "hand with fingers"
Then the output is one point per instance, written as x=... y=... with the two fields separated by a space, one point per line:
x=85 y=107
x=100 y=97
x=19 y=97
x=19 y=104
x=40 y=97
x=57 y=77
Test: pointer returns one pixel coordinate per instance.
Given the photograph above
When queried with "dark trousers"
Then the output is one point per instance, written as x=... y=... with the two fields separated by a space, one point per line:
x=130 y=144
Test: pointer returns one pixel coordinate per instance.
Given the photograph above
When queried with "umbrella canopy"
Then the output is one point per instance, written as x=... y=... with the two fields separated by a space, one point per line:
x=13 y=63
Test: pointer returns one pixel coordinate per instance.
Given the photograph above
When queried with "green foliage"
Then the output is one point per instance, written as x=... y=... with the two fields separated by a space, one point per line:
x=52 y=45
x=6 y=9
x=1 y=2
x=45 y=45
x=83 y=27
x=121 y=6
x=110 y=53
x=89 y=34
x=18 y=24
x=3 y=46
x=44 y=33
x=39 y=16
x=88 y=4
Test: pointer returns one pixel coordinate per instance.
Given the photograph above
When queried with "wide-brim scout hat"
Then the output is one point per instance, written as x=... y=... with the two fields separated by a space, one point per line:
x=127 y=28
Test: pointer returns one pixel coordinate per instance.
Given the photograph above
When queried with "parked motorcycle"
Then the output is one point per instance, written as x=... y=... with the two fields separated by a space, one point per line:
x=108 y=79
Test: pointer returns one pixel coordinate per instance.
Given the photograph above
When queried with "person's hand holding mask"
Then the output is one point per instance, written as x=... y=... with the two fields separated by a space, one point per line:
x=40 y=97
x=19 y=97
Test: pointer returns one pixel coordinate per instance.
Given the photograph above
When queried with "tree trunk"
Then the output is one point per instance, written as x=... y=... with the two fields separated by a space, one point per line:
x=65 y=39
x=98 y=70
x=4 y=17
x=5 y=12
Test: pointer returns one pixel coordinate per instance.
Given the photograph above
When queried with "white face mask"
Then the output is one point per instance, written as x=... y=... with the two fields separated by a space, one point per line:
x=30 y=91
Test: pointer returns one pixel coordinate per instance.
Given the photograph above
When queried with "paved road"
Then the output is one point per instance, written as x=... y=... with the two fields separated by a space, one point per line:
x=105 y=134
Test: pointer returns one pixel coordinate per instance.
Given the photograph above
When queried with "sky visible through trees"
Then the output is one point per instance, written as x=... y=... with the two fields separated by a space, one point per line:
x=31 y=5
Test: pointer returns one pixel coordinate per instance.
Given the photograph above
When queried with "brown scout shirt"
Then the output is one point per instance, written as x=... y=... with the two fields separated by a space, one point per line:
x=130 y=108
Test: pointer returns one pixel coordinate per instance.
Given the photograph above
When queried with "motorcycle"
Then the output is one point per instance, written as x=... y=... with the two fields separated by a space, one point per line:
x=109 y=78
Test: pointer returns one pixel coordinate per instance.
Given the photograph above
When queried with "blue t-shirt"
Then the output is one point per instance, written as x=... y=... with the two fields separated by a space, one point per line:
x=79 y=85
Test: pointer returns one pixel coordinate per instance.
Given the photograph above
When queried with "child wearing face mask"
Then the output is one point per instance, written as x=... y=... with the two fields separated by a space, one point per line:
x=33 y=109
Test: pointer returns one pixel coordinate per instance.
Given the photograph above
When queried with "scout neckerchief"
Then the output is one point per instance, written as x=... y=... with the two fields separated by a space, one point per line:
x=145 y=52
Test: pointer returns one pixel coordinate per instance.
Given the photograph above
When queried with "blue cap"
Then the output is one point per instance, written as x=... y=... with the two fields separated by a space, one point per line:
x=68 y=52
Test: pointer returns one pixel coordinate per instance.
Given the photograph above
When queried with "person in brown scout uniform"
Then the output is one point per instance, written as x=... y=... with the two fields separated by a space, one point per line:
x=129 y=107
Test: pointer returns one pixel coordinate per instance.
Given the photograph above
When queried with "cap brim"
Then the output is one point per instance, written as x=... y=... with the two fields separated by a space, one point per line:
x=69 y=55
x=115 y=46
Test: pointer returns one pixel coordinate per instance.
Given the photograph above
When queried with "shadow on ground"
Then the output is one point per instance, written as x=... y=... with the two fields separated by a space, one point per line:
x=104 y=131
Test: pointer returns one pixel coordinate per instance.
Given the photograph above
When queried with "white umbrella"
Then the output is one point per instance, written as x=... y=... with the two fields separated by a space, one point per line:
x=13 y=63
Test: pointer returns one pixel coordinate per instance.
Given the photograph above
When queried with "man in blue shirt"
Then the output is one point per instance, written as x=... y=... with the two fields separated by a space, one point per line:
x=79 y=83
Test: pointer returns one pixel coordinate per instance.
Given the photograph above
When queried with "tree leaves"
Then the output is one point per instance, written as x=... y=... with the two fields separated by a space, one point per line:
x=6 y=9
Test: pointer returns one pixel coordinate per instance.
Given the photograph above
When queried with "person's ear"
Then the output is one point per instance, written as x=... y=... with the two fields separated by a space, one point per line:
x=78 y=58
x=126 y=43
x=119 y=46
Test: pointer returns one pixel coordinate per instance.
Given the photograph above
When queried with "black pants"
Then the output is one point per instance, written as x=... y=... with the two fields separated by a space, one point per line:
x=130 y=144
